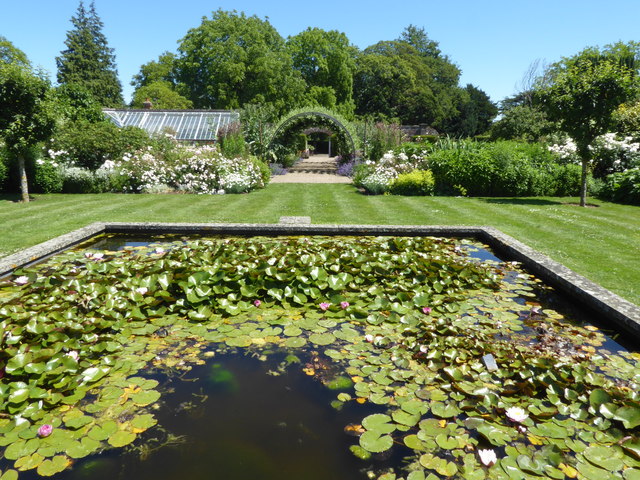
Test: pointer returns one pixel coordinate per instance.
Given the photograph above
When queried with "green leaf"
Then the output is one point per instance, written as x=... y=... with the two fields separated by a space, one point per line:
x=121 y=438
x=322 y=338
x=56 y=465
x=607 y=457
x=598 y=397
x=375 y=443
x=146 y=397
x=360 y=452
x=629 y=416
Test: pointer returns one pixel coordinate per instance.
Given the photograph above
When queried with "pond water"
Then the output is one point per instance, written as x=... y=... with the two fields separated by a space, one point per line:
x=239 y=418
x=287 y=358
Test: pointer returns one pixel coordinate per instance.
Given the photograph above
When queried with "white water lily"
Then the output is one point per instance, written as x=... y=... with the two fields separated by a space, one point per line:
x=488 y=457
x=22 y=280
x=73 y=354
x=517 y=414
x=142 y=290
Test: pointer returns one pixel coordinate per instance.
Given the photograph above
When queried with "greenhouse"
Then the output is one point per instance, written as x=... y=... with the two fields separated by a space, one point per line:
x=187 y=125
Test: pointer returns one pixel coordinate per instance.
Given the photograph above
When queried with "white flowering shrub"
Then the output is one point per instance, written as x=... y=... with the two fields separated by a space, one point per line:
x=377 y=177
x=201 y=169
x=610 y=153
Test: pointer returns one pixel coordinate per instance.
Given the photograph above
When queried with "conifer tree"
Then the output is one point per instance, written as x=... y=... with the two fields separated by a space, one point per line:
x=88 y=60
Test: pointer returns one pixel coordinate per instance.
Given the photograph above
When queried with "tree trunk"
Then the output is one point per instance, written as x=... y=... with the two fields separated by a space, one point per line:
x=24 y=186
x=585 y=157
x=583 y=187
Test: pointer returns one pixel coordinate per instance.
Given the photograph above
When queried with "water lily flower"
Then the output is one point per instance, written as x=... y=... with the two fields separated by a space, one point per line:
x=369 y=338
x=160 y=250
x=45 y=430
x=516 y=414
x=344 y=305
x=324 y=306
x=257 y=303
x=424 y=348
x=142 y=290
x=22 y=280
x=73 y=354
x=426 y=310
x=487 y=457
x=522 y=429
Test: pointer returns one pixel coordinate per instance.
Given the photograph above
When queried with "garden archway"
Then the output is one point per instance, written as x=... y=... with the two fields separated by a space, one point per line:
x=304 y=119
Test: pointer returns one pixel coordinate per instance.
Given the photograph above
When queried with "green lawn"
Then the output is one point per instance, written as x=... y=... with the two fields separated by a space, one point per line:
x=601 y=243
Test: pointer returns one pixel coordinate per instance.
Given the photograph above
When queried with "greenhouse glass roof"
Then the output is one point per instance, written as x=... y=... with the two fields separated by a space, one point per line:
x=189 y=125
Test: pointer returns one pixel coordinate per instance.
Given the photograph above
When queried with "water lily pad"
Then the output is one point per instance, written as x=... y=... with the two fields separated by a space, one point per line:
x=292 y=331
x=295 y=342
x=145 y=397
x=9 y=475
x=322 y=338
x=28 y=462
x=360 y=452
x=374 y=442
x=605 y=457
x=121 y=438
x=56 y=465
x=628 y=415
x=143 y=422
x=404 y=418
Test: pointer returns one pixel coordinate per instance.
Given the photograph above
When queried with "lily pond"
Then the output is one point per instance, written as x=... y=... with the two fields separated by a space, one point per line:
x=382 y=358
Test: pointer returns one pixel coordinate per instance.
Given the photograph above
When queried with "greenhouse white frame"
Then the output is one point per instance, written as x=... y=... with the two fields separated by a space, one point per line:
x=188 y=125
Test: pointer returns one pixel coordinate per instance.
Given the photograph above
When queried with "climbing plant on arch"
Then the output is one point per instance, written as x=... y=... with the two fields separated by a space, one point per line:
x=297 y=120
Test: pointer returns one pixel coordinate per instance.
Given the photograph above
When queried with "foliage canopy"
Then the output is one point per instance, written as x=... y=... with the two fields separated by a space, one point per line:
x=88 y=60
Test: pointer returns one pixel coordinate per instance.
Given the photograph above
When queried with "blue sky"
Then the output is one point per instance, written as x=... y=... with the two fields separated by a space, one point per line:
x=493 y=42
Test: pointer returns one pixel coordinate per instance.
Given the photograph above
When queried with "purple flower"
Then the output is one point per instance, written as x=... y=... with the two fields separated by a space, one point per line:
x=426 y=310
x=257 y=303
x=344 y=305
x=45 y=430
x=324 y=306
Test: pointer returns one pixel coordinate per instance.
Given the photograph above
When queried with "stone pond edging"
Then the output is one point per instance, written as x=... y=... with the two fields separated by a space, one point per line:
x=621 y=314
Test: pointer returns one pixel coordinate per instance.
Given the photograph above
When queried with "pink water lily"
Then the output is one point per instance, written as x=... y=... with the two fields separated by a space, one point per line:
x=21 y=280
x=257 y=303
x=45 y=430
x=344 y=305
x=516 y=414
x=487 y=457
x=427 y=310
x=324 y=306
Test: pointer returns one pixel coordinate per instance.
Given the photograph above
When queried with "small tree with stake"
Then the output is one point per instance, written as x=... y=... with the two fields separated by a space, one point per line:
x=582 y=95
x=26 y=114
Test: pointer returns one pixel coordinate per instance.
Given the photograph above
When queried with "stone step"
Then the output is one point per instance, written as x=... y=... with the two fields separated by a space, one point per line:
x=323 y=172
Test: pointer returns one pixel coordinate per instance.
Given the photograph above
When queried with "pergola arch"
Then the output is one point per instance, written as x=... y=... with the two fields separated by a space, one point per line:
x=314 y=117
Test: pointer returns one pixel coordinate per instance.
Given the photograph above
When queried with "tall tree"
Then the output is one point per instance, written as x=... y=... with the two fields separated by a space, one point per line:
x=582 y=95
x=231 y=60
x=326 y=61
x=476 y=111
x=409 y=79
x=26 y=113
x=11 y=54
x=88 y=60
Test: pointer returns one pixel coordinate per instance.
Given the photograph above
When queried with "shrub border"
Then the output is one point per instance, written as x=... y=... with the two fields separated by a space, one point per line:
x=619 y=313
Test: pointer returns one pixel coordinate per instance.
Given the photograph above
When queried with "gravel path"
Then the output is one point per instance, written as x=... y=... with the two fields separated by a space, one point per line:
x=315 y=169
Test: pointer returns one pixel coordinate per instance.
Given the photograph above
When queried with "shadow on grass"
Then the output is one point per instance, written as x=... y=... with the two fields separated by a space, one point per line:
x=521 y=201
x=11 y=197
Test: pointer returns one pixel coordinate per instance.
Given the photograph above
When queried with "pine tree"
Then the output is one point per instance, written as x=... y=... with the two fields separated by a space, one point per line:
x=88 y=60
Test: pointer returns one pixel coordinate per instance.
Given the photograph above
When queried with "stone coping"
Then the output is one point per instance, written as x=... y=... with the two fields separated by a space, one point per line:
x=613 y=310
